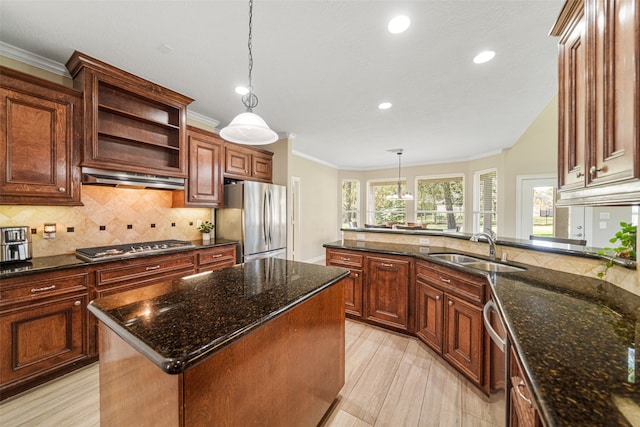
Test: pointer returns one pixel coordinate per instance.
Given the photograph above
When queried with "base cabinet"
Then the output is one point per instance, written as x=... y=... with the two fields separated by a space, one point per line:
x=463 y=331
x=387 y=290
x=523 y=411
x=429 y=320
x=43 y=328
x=353 y=304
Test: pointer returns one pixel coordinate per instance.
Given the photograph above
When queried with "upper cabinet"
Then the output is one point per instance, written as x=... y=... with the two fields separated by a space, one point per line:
x=241 y=162
x=41 y=134
x=204 y=185
x=599 y=102
x=131 y=124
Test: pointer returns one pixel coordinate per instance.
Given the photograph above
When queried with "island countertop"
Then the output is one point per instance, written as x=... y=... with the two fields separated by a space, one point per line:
x=577 y=337
x=177 y=324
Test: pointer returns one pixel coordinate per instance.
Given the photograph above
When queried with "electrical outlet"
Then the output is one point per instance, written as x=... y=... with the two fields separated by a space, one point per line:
x=424 y=250
x=360 y=236
x=605 y=215
x=603 y=225
x=424 y=241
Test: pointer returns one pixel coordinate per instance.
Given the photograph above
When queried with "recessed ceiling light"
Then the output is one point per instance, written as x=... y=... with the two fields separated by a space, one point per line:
x=241 y=90
x=399 y=24
x=384 y=105
x=484 y=56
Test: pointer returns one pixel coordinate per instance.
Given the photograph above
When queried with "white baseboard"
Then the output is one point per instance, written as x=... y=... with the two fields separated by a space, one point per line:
x=317 y=260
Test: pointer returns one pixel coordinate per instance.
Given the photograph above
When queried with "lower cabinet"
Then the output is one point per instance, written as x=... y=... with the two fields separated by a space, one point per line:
x=387 y=291
x=43 y=328
x=523 y=411
x=216 y=258
x=449 y=318
x=353 y=296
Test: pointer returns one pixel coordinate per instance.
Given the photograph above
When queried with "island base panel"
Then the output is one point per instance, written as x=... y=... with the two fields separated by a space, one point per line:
x=286 y=372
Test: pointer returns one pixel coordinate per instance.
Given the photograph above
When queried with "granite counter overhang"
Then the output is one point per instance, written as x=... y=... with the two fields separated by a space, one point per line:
x=573 y=334
x=179 y=324
x=64 y=261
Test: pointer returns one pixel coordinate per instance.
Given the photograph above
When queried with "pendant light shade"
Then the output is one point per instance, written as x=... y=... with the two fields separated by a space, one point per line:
x=250 y=129
x=398 y=195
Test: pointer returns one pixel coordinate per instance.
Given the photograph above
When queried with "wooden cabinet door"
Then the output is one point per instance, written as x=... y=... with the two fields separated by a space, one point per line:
x=205 y=169
x=572 y=106
x=40 y=125
x=237 y=161
x=353 y=293
x=387 y=291
x=261 y=166
x=40 y=338
x=615 y=149
x=429 y=309
x=464 y=337
x=216 y=258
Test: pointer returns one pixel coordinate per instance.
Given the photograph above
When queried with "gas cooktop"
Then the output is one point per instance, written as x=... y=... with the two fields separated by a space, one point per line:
x=100 y=253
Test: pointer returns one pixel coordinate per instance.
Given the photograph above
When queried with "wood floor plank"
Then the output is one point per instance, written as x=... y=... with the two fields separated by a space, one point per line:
x=391 y=380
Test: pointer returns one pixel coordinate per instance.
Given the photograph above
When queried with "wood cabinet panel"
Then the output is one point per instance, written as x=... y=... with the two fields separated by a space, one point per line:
x=246 y=163
x=216 y=258
x=429 y=318
x=523 y=411
x=40 y=131
x=144 y=269
x=464 y=337
x=27 y=290
x=204 y=186
x=40 y=338
x=353 y=284
x=387 y=291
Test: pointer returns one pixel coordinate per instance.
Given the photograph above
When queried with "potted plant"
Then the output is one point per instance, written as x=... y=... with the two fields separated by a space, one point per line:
x=205 y=228
x=628 y=238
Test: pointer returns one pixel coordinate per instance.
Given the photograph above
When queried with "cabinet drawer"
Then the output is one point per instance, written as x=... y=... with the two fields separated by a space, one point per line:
x=348 y=259
x=217 y=257
x=462 y=285
x=29 y=288
x=141 y=270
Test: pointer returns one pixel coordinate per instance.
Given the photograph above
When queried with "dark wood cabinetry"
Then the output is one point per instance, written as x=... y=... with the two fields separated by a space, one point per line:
x=204 y=185
x=352 y=283
x=40 y=131
x=387 y=290
x=216 y=258
x=131 y=124
x=599 y=107
x=43 y=328
x=449 y=318
x=523 y=411
x=242 y=162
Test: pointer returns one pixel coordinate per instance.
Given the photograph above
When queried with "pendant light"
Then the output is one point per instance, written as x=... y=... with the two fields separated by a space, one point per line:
x=249 y=128
x=399 y=195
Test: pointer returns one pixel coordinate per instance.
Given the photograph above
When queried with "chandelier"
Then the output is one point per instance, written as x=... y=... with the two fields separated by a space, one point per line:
x=398 y=195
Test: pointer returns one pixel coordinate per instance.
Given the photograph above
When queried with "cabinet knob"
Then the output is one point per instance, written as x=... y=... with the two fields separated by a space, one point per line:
x=437 y=297
x=593 y=171
x=77 y=303
x=357 y=275
x=195 y=196
x=450 y=302
x=62 y=189
x=579 y=175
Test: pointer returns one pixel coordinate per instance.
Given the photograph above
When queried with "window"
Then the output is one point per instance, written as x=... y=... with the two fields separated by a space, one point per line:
x=485 y=203
x=350 y=203
x=380 y=210
x=440 y=202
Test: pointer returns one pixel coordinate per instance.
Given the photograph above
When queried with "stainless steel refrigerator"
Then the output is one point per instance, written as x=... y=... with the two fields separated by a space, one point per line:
x=254 y=214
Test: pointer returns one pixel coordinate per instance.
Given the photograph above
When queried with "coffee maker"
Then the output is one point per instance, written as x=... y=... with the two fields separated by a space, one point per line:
x=15 y=244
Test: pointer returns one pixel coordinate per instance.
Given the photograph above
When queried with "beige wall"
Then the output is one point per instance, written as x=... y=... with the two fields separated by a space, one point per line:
x=319 y=203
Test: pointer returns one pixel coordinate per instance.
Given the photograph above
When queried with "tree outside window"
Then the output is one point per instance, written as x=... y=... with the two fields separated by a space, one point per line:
x=350 y=203
x=440 y=202
x=380 y=210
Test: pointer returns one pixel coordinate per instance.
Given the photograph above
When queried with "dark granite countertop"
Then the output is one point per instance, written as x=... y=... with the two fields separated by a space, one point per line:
x=60 y=262
x=576 y=336
x=177 y=324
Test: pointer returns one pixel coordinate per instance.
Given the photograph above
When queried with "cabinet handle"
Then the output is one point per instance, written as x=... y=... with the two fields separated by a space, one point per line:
x=384 y=264
x=522 y=384
x=155 y=267
x=77 y=303
x=445 y=280
x=345 y=259
x=593 y=171
x=437 y=297
x=46 y=288
x=195 y=196
x=62 y=189
x=216 y=256
x=357 y=274
x=450 y=302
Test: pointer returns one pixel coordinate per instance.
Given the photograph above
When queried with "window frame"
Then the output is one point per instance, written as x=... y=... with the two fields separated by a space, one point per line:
x=371 y=212
x=357 y=204
x=461 y=175
x=476 y=199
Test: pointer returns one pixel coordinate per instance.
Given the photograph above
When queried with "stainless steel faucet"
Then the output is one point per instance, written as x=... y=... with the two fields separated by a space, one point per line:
x=490 y=240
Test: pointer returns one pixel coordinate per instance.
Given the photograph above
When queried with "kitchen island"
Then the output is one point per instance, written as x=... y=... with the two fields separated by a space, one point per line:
x=260 y=343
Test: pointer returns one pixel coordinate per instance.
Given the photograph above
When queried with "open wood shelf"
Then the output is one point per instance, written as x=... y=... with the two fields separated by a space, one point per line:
x=133 y=116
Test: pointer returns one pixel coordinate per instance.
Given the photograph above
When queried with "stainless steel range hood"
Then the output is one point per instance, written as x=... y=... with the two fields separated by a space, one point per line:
x=92 y=176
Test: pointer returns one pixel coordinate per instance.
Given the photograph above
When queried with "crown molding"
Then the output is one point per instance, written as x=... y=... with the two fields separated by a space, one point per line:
x=313 y=159
x=203 y=119
x=33 y=59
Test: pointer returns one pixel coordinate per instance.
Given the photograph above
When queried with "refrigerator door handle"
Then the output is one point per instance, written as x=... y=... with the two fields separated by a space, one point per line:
x=270 y=210
x=264 y=219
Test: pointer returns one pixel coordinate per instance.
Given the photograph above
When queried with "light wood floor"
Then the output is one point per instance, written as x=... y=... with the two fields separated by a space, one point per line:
x=391 y=380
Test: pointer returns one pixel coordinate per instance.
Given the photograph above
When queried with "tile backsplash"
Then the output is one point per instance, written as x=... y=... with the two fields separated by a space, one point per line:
x=109 y=216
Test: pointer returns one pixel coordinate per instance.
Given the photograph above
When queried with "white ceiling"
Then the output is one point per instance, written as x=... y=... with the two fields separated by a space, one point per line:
x=322 y=67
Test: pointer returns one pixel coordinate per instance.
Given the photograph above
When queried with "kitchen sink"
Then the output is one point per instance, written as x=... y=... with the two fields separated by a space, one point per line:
x=456 y=258
x=477 y=263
